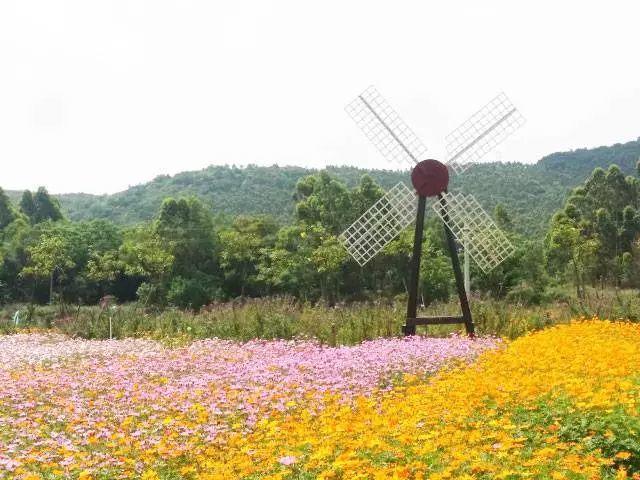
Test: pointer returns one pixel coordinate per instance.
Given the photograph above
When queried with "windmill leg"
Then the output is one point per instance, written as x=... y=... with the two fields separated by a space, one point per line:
x=457 y=271
x=414 y=272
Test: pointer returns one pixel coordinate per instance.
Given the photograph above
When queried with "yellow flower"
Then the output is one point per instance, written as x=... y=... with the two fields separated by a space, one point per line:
x=150 y=475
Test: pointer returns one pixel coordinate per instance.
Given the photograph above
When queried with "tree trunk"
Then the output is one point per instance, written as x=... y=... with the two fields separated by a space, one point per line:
x=51 y=288
x=577 y=280
x=244 y=280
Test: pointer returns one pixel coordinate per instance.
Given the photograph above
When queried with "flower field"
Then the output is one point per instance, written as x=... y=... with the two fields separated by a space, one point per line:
x=561 y=403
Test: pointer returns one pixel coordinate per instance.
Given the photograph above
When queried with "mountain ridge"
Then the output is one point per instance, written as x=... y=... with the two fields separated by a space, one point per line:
x=530 y=192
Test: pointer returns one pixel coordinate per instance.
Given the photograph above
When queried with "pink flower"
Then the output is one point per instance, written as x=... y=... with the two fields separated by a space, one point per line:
x=288 y=460
x=103 y=391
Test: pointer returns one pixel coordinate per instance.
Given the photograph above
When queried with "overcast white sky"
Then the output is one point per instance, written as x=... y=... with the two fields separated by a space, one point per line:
x=97 y=95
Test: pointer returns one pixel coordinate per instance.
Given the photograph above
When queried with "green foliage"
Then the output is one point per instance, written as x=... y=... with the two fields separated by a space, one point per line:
x=186 y=229
x=188 y=292
x=144 y=255
x=502 y=217
x=581 y=162
x=324 y=200
x=436 y=275
x=242 y=247
x=7 y=214
x=183 y=258
x=50 y=256
x=186 y=257
x=40 y=207
x=613 y=433
x=328 y=259
x=595 y=233
x=530 y=193
x=276 y=317
x=105 y=267
x=27 y=205
x=288 y=266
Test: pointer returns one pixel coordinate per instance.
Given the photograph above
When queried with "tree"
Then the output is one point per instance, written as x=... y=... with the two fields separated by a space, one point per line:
x=40 y=207
x=186 y=229
x=105 y=267
x=7 y=214
x=502 y=217
x=144 y=255
x=13 y=242
x=364 y=195
x=47 y=208
x=239 y=256
x=323 y=200
x=188 y=293
x=436 y=274
x=328 y=258
x=27 y=206
x=241 y=248
x=48 y=257
x=288 y=266
x=598 y=225
x=567 y=246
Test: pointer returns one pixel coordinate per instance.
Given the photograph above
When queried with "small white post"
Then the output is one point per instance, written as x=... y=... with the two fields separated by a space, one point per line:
x=467 y=275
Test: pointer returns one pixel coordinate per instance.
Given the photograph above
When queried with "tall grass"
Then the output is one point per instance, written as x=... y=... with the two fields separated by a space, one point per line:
x=286 y=318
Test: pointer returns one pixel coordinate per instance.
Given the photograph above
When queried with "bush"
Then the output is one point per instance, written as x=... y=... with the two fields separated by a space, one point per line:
x=187 y=293
x=526 y=295
x=150 y=294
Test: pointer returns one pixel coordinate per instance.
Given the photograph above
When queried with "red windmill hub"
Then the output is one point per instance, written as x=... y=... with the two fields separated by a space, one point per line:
x=430 y=178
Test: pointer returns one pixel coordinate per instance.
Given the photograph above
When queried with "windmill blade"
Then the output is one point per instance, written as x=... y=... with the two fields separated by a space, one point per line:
x=384 y=220
x=487 y=245
x=387 y=131
x=482 y=132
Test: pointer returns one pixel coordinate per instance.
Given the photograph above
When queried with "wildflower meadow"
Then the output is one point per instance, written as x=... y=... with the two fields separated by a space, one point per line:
x=559 y=403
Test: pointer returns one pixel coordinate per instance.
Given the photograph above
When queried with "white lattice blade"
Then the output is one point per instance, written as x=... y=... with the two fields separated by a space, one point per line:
x=379 y=225
x=387 y=131
x=482 y=132
x=487 y=245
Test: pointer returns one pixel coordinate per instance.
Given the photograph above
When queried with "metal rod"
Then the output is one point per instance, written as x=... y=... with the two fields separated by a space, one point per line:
x=414 y=270
x=388 y=129
x=483 y=134
x=455 y=262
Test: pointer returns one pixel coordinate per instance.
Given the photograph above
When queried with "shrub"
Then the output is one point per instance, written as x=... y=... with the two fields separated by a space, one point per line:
x=187 y=293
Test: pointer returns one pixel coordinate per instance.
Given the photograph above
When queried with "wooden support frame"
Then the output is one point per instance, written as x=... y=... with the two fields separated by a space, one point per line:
x=414 y=278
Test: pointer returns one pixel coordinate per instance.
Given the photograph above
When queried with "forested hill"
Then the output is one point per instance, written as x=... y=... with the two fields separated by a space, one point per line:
x=531 y=193
x=580 y=163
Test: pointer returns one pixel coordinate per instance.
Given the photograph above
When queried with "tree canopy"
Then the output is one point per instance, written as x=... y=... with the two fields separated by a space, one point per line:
x=190 y=253
x=594 y=235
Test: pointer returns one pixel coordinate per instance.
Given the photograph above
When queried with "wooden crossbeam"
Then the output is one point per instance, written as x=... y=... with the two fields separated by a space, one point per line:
x=445 y=320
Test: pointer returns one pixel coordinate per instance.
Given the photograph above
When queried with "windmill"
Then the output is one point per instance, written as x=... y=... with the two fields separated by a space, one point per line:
x=463 y=218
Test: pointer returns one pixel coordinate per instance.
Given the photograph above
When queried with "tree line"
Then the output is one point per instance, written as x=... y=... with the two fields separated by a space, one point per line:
x=189 y=257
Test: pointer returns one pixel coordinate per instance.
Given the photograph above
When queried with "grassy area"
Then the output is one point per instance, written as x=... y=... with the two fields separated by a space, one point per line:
x=284 y=317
